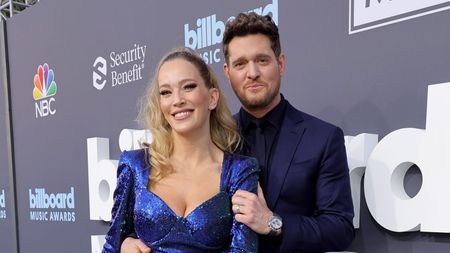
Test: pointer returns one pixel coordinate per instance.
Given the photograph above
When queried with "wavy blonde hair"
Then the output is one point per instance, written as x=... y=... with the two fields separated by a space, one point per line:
x=223 y=128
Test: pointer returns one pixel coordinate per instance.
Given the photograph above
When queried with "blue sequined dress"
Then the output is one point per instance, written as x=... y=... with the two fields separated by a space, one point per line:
x=210 y=227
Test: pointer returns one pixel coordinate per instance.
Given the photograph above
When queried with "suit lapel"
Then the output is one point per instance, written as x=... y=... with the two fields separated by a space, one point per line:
x=291 y=133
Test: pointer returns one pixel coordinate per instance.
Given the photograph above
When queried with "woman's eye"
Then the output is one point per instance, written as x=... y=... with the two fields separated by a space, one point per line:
x=164 y=92
x=190 y=86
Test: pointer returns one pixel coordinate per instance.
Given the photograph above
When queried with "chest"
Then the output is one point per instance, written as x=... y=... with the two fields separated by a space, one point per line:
x=157 y=224
x=184 y=194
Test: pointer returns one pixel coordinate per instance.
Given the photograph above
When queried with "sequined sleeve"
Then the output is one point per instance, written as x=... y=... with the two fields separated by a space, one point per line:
x=244 y=177
x=122 y=211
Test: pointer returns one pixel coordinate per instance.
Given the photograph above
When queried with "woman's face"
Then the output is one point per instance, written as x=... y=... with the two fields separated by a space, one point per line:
x=185 y=100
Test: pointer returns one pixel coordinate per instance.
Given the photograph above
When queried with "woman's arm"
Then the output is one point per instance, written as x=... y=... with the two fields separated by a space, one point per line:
x=122 y=211
x=244 y=177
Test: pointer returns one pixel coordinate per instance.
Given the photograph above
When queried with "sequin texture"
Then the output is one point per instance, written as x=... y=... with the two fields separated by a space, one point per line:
x=210 y=227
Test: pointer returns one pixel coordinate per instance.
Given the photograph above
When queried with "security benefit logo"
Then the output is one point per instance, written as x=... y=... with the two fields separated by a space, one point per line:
x=52 y=207
x=44 y=91
x=206 y=34
x=125 y=67
x=2 y=205
x=99 y=73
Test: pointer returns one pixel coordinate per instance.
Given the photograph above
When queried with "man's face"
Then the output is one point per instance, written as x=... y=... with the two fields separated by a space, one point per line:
x=254 y=73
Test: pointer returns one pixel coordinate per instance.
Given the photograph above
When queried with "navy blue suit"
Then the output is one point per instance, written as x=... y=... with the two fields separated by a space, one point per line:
x=309 y=187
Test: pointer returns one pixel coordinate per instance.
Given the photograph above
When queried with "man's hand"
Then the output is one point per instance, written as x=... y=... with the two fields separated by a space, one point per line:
x=132 y=245
x=252 y=210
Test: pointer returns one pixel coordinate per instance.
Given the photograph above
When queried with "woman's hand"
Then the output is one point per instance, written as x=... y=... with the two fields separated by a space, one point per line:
x=133 y=245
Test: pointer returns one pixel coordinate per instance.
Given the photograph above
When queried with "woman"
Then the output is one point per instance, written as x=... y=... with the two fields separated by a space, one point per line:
x=175 y=194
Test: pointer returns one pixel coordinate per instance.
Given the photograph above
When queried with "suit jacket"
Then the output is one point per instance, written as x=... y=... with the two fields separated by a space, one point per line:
x=309 y=187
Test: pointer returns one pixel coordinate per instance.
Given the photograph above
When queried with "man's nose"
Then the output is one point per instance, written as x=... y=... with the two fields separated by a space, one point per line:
x=253 y=71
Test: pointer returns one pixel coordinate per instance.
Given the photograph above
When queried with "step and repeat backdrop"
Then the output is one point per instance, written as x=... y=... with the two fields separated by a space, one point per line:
x=378 y=69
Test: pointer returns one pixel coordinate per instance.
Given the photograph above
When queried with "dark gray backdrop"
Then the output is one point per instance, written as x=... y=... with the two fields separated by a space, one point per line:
x=6 y=214
x=374 y=81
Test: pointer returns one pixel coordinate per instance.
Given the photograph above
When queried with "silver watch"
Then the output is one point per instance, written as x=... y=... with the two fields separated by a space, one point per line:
x=275 y=224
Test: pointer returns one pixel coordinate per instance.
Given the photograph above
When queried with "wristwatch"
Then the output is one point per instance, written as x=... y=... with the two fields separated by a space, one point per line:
x=275 y=223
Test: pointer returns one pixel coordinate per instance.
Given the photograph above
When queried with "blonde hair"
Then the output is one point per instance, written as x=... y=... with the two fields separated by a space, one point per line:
x=223 y=128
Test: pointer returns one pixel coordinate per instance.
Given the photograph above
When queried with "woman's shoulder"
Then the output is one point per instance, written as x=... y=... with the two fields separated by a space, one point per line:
x=238 y=158
x=134 y=159
x=238 y=164
x=241 y=172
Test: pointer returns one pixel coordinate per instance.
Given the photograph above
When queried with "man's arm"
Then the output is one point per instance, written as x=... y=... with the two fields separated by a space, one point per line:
x=252 y=210
x=330 y=226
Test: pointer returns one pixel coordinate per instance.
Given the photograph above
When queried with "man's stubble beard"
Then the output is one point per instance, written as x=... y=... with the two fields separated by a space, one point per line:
x=260 y=103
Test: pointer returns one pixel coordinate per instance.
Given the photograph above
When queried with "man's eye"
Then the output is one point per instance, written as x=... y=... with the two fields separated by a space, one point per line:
x=263 y=60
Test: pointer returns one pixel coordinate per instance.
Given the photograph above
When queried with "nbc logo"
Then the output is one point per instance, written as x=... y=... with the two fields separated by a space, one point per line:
x=44 y=90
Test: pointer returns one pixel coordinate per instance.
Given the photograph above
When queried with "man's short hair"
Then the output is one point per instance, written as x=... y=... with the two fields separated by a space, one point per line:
x=251 y=23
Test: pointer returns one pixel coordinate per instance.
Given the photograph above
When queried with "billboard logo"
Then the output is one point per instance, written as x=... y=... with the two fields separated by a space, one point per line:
x=2 y=204
x=385 y=163
x=99 y=73
x=44 y=90
x=44 y=201
x=2 y=199
x=97 y=242
x=126 y=66
x=102 y=170
x=208 y=32
x=369 y=14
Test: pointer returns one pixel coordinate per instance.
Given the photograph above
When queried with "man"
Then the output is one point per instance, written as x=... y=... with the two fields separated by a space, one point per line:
x=304 y=203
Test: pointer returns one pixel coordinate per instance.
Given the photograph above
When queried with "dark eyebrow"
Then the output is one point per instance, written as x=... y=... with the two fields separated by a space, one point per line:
x=260 y=55
x=237 y=60
x=186 y=80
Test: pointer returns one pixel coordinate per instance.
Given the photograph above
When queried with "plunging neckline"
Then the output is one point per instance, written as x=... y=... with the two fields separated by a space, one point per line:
x=210 y=199
x=193 y=210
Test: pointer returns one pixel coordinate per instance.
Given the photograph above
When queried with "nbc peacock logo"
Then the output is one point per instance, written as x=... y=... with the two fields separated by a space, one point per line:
x=44 y=90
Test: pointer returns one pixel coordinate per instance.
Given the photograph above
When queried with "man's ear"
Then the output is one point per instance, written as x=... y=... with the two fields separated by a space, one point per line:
x=281 y=63
x=226 y=71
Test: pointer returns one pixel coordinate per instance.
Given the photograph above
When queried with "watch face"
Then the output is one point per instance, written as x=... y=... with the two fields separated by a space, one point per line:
x=275 y=223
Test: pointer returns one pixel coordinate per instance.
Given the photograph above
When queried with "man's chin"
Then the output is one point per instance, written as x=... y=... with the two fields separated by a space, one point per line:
x=255 y=104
